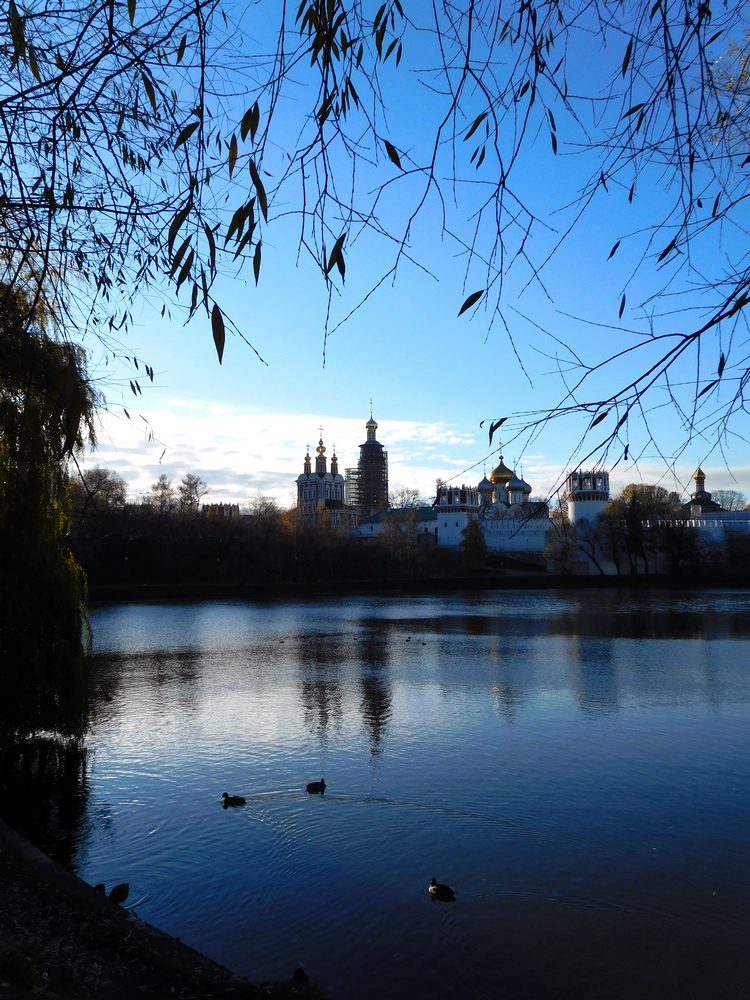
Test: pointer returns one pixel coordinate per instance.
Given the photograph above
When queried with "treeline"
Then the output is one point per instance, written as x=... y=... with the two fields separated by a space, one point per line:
x=137 y=545
x=648 y=530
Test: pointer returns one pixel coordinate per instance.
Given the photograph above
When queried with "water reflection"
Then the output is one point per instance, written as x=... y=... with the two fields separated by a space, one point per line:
x=594 y=677
x=319 y=657
x=574 y=764
x=43 y=760
x=375 y=684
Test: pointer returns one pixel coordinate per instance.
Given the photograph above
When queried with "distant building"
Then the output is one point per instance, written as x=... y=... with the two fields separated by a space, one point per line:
x=719 y=535
x=367 y=485
x=320 y=493
x=418 y=522
x=510 y=520
x=722 y=534
x=223 y=511
x=587 y=494
x=502 y=505
x=700 y=501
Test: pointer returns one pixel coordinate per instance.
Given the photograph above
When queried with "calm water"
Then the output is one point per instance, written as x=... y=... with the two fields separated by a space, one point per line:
x=574 y=764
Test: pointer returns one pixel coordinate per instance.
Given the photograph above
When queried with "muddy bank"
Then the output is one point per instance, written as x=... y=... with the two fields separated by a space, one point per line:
x=62 y=939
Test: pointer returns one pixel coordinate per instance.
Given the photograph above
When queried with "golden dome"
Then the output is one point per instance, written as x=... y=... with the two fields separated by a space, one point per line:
x=501 y=474
x=699 y=473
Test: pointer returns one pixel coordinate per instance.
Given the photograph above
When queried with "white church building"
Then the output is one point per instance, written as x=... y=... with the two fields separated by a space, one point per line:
x=510 y=520
x=501 y=504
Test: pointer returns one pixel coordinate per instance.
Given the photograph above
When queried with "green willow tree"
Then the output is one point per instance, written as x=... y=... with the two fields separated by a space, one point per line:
x=46 y=411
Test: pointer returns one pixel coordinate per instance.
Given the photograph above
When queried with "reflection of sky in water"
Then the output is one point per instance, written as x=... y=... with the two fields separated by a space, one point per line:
x=570 y=779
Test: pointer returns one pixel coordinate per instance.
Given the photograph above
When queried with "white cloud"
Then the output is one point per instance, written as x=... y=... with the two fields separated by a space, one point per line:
x=240 y=453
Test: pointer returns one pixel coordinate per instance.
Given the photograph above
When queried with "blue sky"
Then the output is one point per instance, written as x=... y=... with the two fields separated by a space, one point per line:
x=432 y=376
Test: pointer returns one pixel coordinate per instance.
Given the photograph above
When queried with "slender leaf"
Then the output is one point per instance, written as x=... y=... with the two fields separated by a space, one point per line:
x=259 y=189
x=176 y=224
x=633 y=111
x=219 y=332
x=186 y=133
x=475 y=125
x=392 y=153
x=494 y=426
x=628 y=54
x=149 y=88
x=707 y=388
x=333 y=258
x=232 y=154
x=667 y=250
x=250 y=122
x=17 y=31
x=256 y=262
x=471 y=300
x=598 y=420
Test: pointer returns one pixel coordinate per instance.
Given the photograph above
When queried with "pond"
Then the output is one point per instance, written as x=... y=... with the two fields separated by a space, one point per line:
x=574 y=763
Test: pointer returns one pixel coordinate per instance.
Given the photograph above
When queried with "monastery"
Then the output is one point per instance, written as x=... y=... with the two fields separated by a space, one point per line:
x=501 y=504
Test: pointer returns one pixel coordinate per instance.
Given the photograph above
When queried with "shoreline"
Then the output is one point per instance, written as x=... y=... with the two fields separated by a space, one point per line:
x=62 y=938
x=509 y=580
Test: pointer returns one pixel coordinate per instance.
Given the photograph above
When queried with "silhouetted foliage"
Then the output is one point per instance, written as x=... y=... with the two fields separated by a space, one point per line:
x=129 y=126
x=46 y=407
x=632 y=525
x=474 y=545
x=95 y=492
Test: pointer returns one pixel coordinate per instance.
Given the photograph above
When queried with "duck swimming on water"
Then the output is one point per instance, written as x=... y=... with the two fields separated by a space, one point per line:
x=232 y=800
x=316 y=787
x=443 y=893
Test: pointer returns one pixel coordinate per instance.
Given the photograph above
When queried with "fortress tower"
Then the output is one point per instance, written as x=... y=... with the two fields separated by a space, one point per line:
x=587 y=494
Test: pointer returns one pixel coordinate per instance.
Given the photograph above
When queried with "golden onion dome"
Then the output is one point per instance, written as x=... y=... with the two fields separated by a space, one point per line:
x=321 y=447
x=501 y=474
x=699 y=473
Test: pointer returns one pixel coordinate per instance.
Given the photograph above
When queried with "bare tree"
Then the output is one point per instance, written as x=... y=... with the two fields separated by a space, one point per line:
x=162 y=496
x=264 y=507
x=406 y=496
x=730 y=499
x=97 y=490
x=127 y=128
x=191 y=491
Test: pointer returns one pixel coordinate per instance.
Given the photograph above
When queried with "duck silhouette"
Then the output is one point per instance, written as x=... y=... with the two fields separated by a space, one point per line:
x=232 y=800
x=119 y=893
x=443 y=893
x=316 y=787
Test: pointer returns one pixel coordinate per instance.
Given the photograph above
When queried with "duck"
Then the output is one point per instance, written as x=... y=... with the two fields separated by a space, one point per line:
x=441 y=892
x=119 y=893
x=232 y=800
x=316 y=787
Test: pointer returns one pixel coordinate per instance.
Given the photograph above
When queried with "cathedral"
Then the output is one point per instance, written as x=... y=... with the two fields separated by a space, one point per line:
x=321 y=493
x=341 y=500
x=510 y=520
